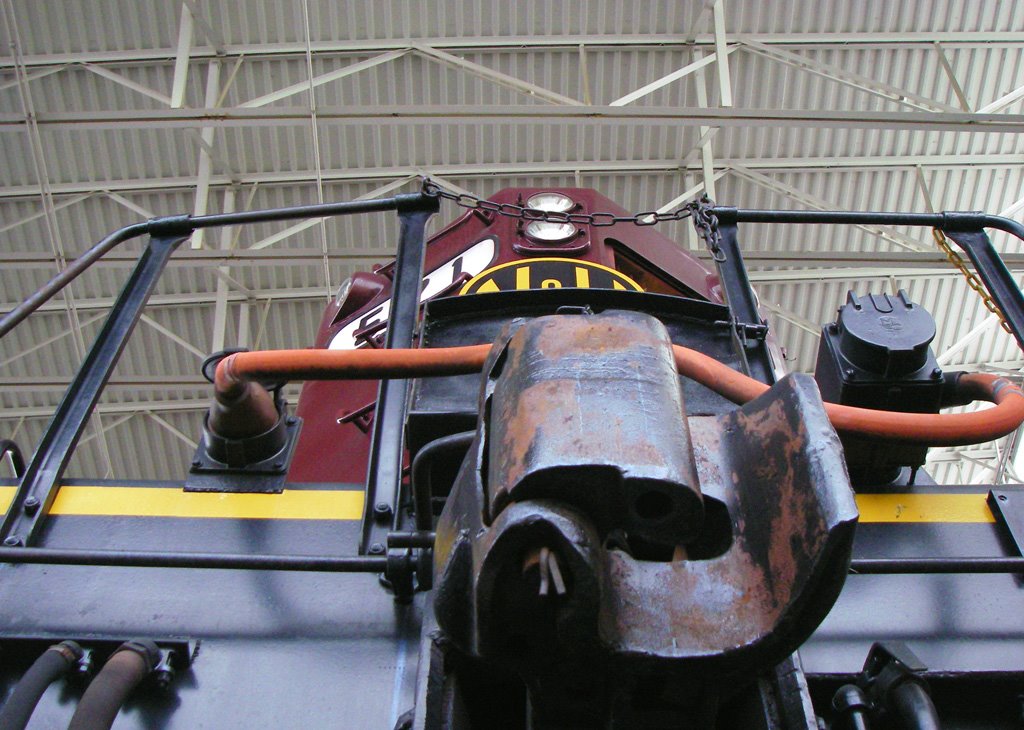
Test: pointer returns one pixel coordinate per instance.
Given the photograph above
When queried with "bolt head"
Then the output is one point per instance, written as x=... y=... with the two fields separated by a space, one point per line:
x=162 y=678
x=382 y=508
x=31 y=505
x=376 y=549
x=12 y=541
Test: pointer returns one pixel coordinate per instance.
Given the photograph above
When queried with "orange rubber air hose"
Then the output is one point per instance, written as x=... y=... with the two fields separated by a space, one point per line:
x=948 y=429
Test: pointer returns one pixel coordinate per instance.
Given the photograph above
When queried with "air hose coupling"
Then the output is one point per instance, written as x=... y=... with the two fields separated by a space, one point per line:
x=245 y=423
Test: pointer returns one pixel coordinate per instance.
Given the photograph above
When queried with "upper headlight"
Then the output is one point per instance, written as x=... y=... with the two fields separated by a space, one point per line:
x=551 y=202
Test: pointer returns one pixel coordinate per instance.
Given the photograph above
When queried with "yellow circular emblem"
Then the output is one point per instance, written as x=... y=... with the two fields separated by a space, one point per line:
x=548 y=273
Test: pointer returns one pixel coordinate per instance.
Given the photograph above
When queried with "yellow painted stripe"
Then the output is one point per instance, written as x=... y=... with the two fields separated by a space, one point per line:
x=924 y=508
x=292 y=504
x=348 y=504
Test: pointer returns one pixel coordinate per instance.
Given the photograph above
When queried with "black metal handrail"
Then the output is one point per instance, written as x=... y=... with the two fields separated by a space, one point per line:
x=40 y=481
x=966 y=229
x=39 y=484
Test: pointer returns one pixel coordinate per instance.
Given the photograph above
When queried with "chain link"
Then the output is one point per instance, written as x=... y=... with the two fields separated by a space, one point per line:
x=706 y=224
x=599 y=220
x=972 y=279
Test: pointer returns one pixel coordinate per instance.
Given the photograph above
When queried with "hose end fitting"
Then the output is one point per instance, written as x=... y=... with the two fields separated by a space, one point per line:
x=145 y=648
x=70 y=650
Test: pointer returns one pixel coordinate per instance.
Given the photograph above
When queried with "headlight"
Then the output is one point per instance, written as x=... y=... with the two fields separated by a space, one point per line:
x=343 y=291
x=551 y=202
x=550 y=232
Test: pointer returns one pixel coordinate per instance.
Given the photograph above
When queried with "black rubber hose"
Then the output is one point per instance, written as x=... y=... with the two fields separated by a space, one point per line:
x=126 y=667
x=911 y=702
x=50 y=666
x=851 y=706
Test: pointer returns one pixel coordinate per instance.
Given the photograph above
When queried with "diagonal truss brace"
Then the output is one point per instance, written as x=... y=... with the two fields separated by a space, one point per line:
x=324 y=78
x=847 y=78
x=496 y=77
x=669 y=78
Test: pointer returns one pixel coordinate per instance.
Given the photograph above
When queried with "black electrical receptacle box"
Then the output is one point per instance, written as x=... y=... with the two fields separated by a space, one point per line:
x=877 y=355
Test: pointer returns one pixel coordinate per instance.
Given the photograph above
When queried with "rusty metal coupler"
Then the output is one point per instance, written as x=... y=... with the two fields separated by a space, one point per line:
x=600 y=543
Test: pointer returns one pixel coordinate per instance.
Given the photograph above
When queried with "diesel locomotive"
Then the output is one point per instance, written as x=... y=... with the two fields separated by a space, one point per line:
x=547 y=470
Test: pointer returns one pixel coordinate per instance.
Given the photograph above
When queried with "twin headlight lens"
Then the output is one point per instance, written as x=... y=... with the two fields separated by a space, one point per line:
x=551 y=231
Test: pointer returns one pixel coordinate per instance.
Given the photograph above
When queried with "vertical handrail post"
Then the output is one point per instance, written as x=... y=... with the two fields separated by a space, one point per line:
x=387 y=446
x=39 y=484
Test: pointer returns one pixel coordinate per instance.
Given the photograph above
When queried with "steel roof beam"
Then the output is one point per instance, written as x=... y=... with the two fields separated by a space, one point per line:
x=707 y=133
x=220 y=307
x=722 y=56
x=181 y=57
x=529 y=43
x=206 y=30
x=532 y=114
x=513 y=169
x=204 y=166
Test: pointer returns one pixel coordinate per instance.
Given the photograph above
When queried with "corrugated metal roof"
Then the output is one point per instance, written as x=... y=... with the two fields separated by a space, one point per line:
x=641 y=166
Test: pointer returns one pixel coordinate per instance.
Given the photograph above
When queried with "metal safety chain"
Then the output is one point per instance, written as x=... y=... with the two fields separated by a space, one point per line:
x=706 y=224
x=972 y=279
x=511 y=210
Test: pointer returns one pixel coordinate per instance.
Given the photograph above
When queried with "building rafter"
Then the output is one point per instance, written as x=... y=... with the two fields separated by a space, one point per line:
x=512 y=169
x=526 y=44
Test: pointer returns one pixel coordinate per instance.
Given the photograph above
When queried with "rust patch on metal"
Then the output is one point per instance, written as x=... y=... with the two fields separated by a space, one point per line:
x=588 y=409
